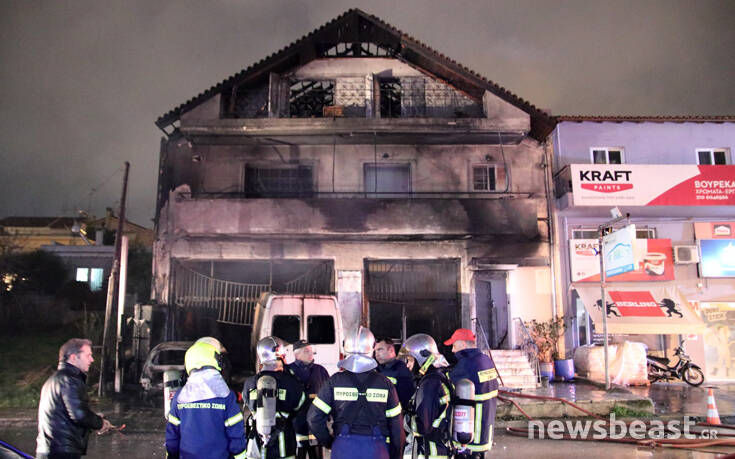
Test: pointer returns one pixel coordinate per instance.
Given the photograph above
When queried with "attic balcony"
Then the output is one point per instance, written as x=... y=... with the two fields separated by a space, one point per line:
x=354 y=218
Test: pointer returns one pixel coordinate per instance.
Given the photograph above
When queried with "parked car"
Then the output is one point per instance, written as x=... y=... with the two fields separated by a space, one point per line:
x=314 y=318
x=165 y=356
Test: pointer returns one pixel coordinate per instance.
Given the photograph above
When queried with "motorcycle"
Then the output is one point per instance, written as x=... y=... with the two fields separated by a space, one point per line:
x=659 y=369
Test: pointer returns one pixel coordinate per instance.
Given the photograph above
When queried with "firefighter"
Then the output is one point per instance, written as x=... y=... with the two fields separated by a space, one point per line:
x=289 y=395
x=312 y=376
x=472 y=364
x=363 y=405
x=395 y=370
x=204 y=420
x=428 y=412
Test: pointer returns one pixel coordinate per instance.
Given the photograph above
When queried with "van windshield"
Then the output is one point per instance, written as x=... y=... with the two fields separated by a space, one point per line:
x=320 y=330
x=288 y=328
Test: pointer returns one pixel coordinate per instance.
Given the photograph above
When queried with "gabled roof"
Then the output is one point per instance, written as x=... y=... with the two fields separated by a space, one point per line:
x=649 y=119
x=357 y=26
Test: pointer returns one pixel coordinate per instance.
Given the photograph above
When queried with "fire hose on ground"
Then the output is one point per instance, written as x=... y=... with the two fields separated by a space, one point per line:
x=681 y=443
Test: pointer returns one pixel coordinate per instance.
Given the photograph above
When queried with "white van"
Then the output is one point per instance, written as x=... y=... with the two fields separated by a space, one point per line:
x=291 y=317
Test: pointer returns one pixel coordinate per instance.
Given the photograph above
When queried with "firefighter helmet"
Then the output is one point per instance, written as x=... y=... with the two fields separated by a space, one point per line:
x=422 y=347
x=270 y=349
x=359 y=346
x=214 y=342
x=201 y=355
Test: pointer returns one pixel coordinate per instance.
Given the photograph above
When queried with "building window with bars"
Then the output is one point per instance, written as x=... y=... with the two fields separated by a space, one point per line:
x=262 y=182
x=607 y=155
x=307 y=98
x=390 y=97
x=713 y=156
x=484 y=177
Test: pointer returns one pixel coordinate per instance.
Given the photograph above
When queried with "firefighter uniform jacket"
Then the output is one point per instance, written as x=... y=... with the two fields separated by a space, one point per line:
x=397 y=373
x=480 y=369
x=312 y=376
x=359 y=412
x=290 y=399
x=210 y=428
x=429 y=422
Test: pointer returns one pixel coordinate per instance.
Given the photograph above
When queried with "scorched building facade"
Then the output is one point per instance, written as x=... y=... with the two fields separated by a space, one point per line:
x=356 y=162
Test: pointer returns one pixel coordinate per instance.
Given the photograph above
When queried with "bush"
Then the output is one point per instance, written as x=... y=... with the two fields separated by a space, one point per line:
x=31 y=312
x=37 y=272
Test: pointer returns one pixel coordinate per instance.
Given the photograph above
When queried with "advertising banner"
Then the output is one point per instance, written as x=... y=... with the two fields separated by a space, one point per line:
x=719 y=340
x=717 y=257
x=652 y=185
x=619 y=256
x=641 y=309
x=714 y=230
x=653 y=261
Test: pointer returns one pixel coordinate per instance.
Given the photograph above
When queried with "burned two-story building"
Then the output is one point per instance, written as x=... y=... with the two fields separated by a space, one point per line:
x=357 y=162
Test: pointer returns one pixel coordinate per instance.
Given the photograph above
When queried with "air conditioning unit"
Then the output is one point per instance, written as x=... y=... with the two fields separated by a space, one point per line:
x=686 y=254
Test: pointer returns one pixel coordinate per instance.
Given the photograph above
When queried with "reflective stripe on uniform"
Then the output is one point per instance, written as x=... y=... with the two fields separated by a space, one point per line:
x=301 y=401
x=444 y=401
x=253 y=394
x=392 y=379
x=305 y=437
x=173 y=420
x=487 y=375
x=282 y=394
x=234 y=420
x=242 y=455
x=322 y=405
x=487 y=396
x=393 y=412
x=478 y=420
x=281 y=444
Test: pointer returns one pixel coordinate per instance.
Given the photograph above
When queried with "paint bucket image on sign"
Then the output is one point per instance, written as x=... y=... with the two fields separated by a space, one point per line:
x=653 y=263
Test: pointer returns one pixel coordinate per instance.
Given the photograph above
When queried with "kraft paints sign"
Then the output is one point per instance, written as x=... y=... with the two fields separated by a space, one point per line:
x=652 y=261
x=652 y=185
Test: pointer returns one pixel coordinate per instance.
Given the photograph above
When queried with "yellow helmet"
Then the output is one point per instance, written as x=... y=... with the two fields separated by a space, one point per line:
x=200 y=355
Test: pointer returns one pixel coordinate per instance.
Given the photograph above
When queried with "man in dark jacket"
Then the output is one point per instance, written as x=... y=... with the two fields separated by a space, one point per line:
x=395 y=370
x=64 y=416
x=472 y=364
x=312 y=376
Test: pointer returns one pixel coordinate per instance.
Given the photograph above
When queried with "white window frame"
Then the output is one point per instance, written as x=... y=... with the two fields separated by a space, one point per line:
x=607 y=154
x=711 y=152
x=486 y=166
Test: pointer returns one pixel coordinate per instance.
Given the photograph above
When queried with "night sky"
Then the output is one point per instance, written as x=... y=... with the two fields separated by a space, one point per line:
x=82 y=81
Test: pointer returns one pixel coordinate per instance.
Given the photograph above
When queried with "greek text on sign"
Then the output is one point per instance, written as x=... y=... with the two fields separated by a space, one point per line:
x=652 y=185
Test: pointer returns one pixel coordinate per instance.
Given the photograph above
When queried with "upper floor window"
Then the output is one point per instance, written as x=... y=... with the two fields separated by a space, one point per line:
x=713 y=156
x=484 y=177
x=307 y=98
x=296 y=181
x=387 y=178
x=607 y=155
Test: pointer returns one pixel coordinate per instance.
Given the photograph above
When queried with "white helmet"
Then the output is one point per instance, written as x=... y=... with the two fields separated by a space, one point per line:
x=270 y=349
x=359 y=346
x=422 y=347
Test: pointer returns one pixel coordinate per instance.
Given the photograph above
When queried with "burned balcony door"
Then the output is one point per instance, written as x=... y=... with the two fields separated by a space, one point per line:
x=491 y=308
x=406 y=297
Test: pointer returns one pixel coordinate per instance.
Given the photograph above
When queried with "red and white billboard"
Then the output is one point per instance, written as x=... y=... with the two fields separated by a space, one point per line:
x=652 y=185
x=714 y=230
x=654 y=261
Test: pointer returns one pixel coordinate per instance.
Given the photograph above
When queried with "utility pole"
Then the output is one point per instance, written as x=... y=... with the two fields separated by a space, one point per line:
x=108 y=344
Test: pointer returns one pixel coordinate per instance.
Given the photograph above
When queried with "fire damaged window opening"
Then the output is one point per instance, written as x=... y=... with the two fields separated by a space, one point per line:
x=390 y=97
x=484 y=177
x=358 y=49
x=413 y=296
x=388 y=180
x=279 y=182
x=308 y=98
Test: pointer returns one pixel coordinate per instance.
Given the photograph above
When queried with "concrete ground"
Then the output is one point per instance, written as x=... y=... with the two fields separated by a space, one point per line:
x=143 y=435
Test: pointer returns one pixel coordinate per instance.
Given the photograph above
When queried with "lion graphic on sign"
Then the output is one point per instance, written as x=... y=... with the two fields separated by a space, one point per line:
x=609 y=307
x=670 y=307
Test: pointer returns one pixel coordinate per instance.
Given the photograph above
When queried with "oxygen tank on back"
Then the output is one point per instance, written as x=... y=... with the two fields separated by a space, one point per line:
x=265 y=406
x=463 y=413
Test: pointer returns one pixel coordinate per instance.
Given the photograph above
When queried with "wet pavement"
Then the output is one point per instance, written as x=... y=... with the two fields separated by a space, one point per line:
x=143 y=435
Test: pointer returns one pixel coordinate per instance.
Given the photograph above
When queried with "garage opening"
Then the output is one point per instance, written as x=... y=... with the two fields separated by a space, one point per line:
x=218 y=298
x=406 y=297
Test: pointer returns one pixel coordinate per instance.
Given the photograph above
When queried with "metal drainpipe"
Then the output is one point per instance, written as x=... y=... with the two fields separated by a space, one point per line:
x=551 y=232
